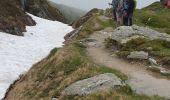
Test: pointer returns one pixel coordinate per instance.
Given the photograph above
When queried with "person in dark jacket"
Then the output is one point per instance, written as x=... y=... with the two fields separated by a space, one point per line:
x=114 y=5
x=162 y=2
x=129 y=7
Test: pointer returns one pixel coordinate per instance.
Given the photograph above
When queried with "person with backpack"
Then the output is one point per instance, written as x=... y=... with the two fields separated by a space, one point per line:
x=162 y=2
x=167 y=4
x=129 y=7
x=114 y=5
x=119 y=12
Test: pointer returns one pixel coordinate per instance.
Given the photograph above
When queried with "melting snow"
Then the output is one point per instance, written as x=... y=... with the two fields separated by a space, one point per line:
x=18 y=54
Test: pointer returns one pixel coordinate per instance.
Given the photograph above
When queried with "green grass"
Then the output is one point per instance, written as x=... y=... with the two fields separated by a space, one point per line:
x=106 y=23
x=52 y=52
x=159 y=17
x=160 y=48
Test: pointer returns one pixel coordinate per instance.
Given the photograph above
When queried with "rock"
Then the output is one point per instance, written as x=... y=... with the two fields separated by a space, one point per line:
x=54 y=99
x=149 y=48
x=165 y=72
x=90 y=40
x=13 y=19
x=124 y=34
x=93 y=84
x=156 y=68
x=153 y=62
x=138 y=55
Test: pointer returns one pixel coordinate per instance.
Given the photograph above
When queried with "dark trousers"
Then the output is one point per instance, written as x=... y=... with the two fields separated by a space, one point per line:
x=114 y=14
x=127 y=20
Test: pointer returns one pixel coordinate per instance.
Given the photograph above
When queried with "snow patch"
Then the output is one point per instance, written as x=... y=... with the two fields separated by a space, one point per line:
x=18 y=54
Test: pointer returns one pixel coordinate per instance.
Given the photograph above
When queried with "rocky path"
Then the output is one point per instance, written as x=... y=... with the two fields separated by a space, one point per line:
x=140 y=79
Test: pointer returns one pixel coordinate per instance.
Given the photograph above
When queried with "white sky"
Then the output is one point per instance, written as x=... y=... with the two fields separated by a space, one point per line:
x=89 y=4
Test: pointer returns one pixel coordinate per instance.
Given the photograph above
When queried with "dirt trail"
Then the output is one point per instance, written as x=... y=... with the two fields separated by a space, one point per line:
x=140 y=79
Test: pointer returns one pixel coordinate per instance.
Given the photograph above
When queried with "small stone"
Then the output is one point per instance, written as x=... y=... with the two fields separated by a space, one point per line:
x=149 y=48
x=153 y=62
x=54 y=99
x=138 y=55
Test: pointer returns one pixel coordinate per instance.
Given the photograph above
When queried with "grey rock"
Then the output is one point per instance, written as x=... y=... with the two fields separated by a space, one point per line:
x=153 y=62
x=93 y=84
x=138 y=55
x=156 y=67
x=165 y=72
x=125 y=33
x=54 y=99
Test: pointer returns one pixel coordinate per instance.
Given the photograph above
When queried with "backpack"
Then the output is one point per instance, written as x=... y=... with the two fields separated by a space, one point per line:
x=129 y=5
x=126 y=4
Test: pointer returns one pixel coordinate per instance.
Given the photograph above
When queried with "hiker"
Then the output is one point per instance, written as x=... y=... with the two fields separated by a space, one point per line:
x=119 y=12
x=162 y=2
x=23 y=4
x=114 y=5
x=129 y=7
x=167 y=4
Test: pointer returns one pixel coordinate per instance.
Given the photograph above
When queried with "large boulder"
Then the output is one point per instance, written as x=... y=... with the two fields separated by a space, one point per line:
x=138 y=55
x=123 y=34
x=94 y=84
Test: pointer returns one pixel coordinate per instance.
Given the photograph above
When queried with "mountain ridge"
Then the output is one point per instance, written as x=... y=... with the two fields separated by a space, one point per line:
x=14 y=20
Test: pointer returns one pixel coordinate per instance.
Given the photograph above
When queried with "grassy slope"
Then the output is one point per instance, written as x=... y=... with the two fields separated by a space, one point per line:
x=159 y=17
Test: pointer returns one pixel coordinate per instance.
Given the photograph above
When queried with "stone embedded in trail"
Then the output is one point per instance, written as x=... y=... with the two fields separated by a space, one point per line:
x=54 y=99
x=93 y=84
x=125 y=33
x=138 y=55
x=153 y=62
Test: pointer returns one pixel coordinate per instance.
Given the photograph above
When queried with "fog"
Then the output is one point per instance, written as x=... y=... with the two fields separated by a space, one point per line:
x=89 y=4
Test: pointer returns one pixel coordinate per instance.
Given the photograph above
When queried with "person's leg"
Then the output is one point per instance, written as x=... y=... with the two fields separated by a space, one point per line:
x=125 y=21
x=130 y=19
x=114 y=14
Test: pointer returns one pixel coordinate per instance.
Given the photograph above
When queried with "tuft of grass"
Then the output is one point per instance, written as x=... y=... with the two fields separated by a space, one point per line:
x=52 y=53
x=106 y=23
x=109 y=42
x=157 y=48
